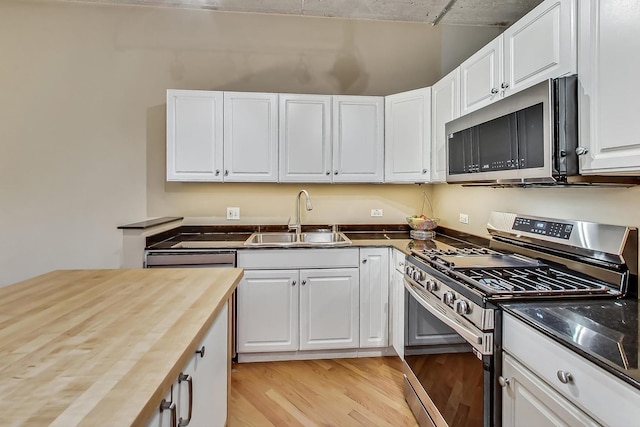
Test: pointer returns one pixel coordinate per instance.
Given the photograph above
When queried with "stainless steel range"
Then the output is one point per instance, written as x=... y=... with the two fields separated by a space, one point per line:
x=453 y=322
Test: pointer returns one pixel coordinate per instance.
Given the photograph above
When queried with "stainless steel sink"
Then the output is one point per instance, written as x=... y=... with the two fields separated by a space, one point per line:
x=320 y=238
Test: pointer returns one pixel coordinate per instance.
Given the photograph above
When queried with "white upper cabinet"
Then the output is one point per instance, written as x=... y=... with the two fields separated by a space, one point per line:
x=250 y=137
x=481 y=77
x=539 y=46
x=358 y=139
x=305 y=138
x=408 y=136
x=445 y=106
x=194 y=135
x=609 y=42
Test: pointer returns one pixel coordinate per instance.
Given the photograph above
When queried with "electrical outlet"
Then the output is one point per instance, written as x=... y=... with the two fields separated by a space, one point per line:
x=376 y=212
x=464 y=218
x=233 y=214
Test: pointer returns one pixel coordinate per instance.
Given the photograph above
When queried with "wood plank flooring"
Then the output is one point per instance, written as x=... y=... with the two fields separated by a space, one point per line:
x=337 y=392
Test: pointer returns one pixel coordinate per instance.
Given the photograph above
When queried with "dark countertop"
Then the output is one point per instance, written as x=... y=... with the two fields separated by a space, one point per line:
x=605 y=332
x=142 y=225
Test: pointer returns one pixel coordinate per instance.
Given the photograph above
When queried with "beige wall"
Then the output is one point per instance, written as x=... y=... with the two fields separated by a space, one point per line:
x=619 y=206
x=82 y=116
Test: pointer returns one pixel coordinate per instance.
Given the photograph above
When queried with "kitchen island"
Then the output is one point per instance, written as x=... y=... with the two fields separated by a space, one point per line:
x=102 y=347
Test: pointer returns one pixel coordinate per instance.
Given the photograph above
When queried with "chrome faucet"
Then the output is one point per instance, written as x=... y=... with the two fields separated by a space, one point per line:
x=297 y=226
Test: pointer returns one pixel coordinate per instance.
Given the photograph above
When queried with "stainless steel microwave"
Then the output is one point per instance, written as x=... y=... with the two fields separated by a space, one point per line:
x=530 y=137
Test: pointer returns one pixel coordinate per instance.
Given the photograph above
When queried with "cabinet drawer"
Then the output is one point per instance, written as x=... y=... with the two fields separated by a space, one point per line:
x=298 y=258
x=601 y=395
x=398 y=258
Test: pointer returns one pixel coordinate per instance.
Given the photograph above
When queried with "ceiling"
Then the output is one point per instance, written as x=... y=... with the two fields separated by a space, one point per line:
x=460 y=12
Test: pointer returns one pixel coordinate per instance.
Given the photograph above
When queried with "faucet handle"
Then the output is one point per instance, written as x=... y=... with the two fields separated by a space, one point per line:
x=289 y=225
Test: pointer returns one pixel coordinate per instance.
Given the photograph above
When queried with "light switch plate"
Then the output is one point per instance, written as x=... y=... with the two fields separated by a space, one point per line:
x=464 y=218
x=233 y=214
x=376 y=212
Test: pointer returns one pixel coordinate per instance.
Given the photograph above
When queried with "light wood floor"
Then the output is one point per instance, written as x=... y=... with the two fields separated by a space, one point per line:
x=338 y=392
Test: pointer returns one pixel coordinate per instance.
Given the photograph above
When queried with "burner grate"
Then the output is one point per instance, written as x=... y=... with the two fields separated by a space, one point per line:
x=538 y=281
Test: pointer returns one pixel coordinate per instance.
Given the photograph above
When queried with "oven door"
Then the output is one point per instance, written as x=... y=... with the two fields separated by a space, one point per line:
x=448 y=380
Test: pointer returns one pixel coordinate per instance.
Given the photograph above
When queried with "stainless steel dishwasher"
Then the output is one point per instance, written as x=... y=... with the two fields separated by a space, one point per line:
x=189 y=258
x=197 y=258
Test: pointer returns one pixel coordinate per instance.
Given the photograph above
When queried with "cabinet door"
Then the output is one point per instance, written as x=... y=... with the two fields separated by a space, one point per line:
x=374 y=297
x=528 y=401
x=209 y=372
x=250 y=137
x=541 y=45
x=194 y=135
x=445 y=106
x=358 y=139
x=608 y=64
x=407 y=136
x=481 y=77
x=329 y=309
x=268 y=311
x=397 y=312
x=305 y=138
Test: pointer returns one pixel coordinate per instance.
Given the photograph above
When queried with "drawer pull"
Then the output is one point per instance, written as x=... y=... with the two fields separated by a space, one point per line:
x=184 y=377
x=565 y=377
x=504 y=382
x=171 y=406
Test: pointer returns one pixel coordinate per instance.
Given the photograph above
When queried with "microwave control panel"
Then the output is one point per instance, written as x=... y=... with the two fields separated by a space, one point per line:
x=545 y=228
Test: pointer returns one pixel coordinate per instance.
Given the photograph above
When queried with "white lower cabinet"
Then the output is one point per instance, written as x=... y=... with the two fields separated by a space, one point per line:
x=329 y=309
x=290 y=310
x=199 y=395
x=374 y=297
x=396 y=302
x=546 y=384
x=528 y=401
x=268 y=311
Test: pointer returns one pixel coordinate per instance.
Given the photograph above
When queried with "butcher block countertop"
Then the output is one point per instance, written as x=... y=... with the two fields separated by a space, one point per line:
x=102 y=347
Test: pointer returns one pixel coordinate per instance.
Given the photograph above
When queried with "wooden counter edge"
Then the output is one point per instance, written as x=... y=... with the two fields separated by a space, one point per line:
x=163 y=388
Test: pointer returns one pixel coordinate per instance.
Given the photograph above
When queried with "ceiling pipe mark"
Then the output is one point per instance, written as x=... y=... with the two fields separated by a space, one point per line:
x=444 y=11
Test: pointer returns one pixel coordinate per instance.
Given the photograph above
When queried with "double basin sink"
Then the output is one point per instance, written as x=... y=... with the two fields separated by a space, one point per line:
x=278 y=239
x=319 y=238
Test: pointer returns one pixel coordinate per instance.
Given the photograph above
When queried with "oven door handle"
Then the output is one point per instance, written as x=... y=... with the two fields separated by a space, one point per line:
x=476 y=339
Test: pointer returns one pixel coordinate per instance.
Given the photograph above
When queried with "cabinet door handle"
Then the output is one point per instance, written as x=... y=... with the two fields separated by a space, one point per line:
x=226 y=172
x=217 y=172
x=581 y=151
x=171 y=406
x=504 y=382
x=424 y=171
x=565 y=377
x=304 y=282
x=293 y=283
x=504 y=85
x=335 y=173
x=328 y=173
x=200 y=352
x=494 y=91
x=364 y=261
x=184 y=377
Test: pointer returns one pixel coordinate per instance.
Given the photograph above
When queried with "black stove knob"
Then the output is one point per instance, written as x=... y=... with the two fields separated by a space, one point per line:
x=432 y=285
x=461 y=306
x=448 y=298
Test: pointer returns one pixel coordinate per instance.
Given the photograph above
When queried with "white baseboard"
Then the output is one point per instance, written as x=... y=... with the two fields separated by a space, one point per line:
x=315 y=354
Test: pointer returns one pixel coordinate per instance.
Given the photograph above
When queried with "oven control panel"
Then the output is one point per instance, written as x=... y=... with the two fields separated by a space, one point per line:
x=456 y=302
x=545 y=228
